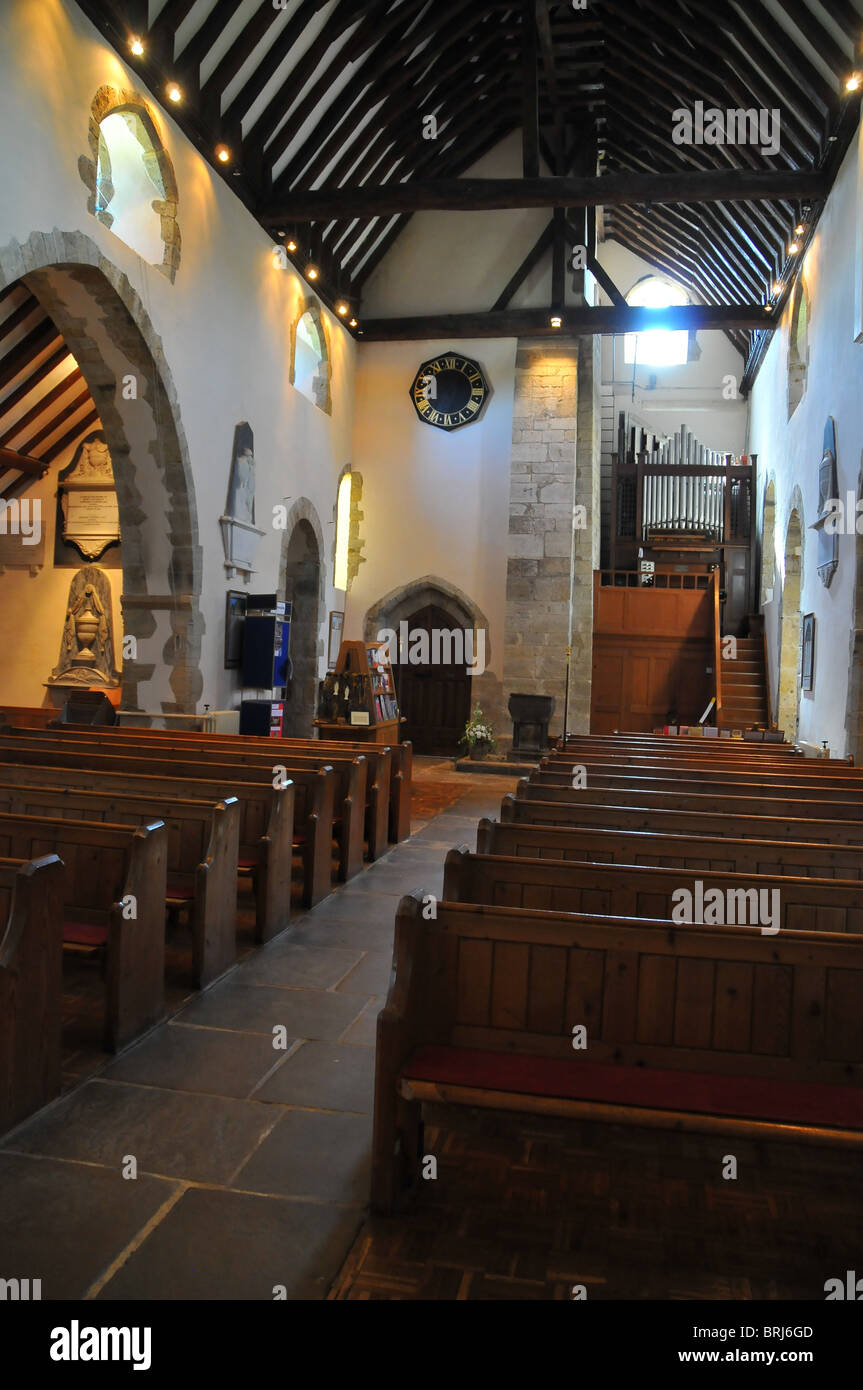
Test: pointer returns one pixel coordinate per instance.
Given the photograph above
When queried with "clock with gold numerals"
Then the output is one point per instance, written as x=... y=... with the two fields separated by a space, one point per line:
x=449 y=391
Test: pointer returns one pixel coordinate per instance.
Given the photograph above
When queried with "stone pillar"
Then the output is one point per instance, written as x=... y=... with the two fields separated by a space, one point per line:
x=551 y=479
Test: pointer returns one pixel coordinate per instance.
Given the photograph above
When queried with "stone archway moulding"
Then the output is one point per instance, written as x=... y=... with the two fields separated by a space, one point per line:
x=399 y=603
x=89 y=299
x=305 y=510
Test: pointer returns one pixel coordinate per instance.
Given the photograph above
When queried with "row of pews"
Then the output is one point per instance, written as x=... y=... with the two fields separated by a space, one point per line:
x=655 y=933
x=107 y=835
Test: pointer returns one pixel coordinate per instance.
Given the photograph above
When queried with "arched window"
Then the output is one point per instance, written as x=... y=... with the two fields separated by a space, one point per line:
x=798 y=347
x=348 y=517
x=131 y=179
x=310 y=368
x=656 y=347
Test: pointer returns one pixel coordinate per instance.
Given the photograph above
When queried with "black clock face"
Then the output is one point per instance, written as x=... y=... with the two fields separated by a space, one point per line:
x=449 y=391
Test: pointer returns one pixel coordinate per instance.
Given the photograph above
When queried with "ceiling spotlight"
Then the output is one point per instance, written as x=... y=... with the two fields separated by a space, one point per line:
x=854 y=82
x=174 y=93
x=341 y=308
x=555 y=320
x=312 y=271
x=793 y=248
x=799 y=229
x=136 y=47
x=223 y=154
x=353 y=323
x=291 y=245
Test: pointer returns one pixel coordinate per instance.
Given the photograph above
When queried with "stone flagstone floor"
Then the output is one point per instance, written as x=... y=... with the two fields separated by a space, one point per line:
x=252 y=1164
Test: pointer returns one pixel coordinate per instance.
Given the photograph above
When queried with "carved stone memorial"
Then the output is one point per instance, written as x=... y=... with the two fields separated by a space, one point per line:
x=87 y=645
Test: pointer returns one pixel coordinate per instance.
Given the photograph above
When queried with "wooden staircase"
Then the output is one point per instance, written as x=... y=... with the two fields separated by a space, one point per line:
x=744 y=687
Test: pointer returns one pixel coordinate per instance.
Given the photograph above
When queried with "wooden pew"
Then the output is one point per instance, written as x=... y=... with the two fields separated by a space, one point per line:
x=658 y=743
x=114 y=899
x=31 y=981
x=203 y=841
x=313 y=791
x=717 y=824
x=824 y=808
x=730 y=854
x=401 y=755
x=349 y=791
x=631 y=890
x=265 y=814
x=837 y=775
x=715 y=1030
x=727 y=783
x=392 y=784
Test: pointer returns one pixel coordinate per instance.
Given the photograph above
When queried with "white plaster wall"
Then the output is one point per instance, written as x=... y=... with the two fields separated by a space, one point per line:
x=224 y=324
x=790 y=450
x=466 y=257
x=691 y=394
x=434 y=502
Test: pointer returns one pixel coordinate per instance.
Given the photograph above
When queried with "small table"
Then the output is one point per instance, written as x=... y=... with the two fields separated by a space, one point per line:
x=387 y=731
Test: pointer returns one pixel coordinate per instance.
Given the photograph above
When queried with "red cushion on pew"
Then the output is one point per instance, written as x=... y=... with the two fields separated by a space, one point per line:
x=749 y=1097
x=248 y=861
x=84 y=934
x=178 y=892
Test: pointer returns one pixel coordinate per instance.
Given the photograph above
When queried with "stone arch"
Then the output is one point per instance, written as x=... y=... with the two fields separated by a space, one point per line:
x=108 y=331
x=320 y=388
x=768 y=543
x=302 y=581
x=790 y=624
x=798 y=345
x=431 y=589
x=157 y=161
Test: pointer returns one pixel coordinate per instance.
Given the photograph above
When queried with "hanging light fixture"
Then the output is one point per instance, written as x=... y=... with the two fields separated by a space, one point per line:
x=136 y=47
x=223 y=154
x=174 y=93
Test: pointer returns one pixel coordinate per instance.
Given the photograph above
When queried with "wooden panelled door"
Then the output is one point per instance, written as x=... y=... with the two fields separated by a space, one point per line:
x=434 y=699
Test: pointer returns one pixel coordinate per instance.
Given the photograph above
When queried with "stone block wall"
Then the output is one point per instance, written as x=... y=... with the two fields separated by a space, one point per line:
x=551 y=473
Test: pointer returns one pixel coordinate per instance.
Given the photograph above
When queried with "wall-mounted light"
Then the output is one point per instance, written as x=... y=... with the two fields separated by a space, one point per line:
x=777 y=287
x=136 y=47
x=291 y=245
x=854 y=82
x=342 y=308
x=555 y=320
x=174 y=93
x=793 y=248
x=312 y=271
x=223 y=154
x=353 y=323
x=799 y=229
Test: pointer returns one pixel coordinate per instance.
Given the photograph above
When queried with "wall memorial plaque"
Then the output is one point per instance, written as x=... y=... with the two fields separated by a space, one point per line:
x=88 y=500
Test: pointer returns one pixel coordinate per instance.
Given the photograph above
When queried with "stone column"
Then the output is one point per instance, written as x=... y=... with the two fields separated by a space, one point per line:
x=551 y=490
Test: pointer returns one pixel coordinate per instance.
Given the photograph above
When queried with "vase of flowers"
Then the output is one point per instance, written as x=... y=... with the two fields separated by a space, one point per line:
x=478 y=736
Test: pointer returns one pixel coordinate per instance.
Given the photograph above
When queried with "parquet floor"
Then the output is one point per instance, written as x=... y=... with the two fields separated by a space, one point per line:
x=527 y=1209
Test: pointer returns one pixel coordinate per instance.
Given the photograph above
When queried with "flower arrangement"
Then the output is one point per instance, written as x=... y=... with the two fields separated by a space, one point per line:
x=478 y=732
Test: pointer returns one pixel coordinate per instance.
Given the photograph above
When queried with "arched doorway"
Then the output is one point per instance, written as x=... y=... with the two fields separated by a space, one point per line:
x=301 y=588
x=434 y=696
x=789 y=649
x=104 y=325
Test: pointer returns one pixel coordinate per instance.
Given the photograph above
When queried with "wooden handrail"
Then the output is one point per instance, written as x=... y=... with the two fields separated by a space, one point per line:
x=717 y=649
